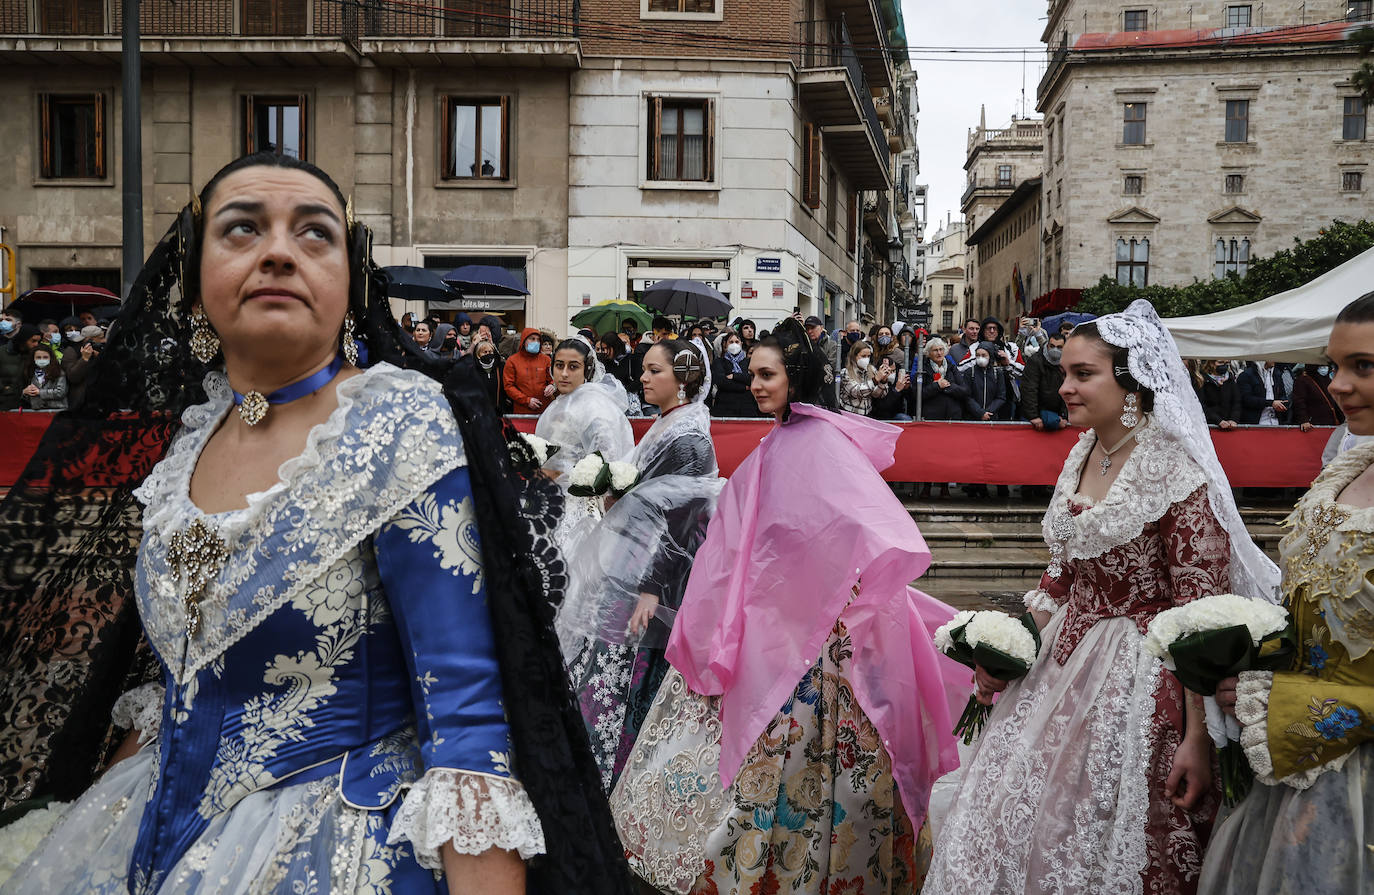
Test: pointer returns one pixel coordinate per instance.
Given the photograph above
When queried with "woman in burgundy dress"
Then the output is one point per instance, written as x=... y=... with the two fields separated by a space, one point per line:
x=1094 y=773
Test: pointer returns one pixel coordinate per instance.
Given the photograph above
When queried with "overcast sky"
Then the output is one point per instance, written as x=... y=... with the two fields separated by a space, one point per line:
x=950 y=92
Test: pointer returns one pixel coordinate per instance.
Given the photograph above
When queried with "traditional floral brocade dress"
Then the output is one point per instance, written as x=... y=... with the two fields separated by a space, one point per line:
x=1064 y=791
x=1308 y=825
x=331 y=714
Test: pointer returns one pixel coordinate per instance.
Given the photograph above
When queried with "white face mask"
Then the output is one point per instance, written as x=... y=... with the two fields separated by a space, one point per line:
x=982 y=361
x=734 y=348
x=862 y=363
x=40 y=362
x=74 y=336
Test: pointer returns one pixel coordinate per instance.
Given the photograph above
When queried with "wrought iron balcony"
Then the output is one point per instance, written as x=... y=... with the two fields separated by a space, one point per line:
x=838 y=97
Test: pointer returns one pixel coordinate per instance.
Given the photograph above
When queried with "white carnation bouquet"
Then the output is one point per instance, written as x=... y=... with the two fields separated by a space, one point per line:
x=542 y=448
x=1006 y=647
x=624 y=476
x=592 y=476
x=22 y=837
x=1213 y=638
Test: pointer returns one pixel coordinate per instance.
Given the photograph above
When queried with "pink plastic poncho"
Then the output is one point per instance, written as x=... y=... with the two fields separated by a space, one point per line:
x=801 y=520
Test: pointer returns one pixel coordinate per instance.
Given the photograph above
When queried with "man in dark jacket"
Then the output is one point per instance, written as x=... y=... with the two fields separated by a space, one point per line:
x=1219 y=394
x=1263 y=398
x=12 y=357
x=1040 y=382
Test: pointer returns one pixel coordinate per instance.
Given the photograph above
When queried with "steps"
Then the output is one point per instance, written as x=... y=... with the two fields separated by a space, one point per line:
x=987 y=554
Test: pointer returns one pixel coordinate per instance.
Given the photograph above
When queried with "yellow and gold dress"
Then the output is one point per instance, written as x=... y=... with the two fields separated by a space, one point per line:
x=1308 y=825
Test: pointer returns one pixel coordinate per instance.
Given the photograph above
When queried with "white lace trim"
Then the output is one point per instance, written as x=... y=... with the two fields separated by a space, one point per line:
x=391 y=437
x=1252 y=711
x=1039 y=600
x=475 y=812
x=140 y=709
x=1158 y=474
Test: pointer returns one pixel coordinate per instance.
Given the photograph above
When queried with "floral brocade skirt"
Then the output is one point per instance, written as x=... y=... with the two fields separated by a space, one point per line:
x=1285 y=841
x=814 y=809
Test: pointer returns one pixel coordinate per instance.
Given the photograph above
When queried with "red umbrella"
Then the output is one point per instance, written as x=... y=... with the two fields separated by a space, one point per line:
x=62 y=300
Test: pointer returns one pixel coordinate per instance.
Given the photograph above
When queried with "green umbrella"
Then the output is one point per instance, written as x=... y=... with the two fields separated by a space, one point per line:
x=608 y=316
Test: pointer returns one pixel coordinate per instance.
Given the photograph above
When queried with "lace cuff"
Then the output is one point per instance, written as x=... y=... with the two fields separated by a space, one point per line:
x=140 y=709
x=474 y=811
x=1252 y=711
x=1040 y=601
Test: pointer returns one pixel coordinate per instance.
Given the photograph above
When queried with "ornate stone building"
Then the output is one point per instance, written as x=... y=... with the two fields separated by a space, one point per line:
x=1000 y=163
x=1183 y=139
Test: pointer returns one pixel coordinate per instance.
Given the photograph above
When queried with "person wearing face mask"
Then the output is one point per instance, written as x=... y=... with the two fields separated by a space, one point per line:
x=13 y=357
x=1219 y=394
x=488 y=367
x=52 y=337
x=885 y=345
x=730 y=373
x=526 y=377
x=1312 y=402
x=895 y=405
x=859 y=383
x=47 y=387
x=987 y=390
x=1041 y=403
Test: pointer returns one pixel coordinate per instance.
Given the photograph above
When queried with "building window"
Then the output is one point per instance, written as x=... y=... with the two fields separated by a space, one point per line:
x=948 y=294
x=1352 y=181
x=832 y=201
x=1233 y=256
x=1235 y=183
x=71 y=16
x=1352 y=122
x=1137 y=20
x=274 y=16
x=1004 y=175
x=811 y=165
x=476 y=138
x=1237 y=120
x=681 y=139
x=275 y=124
x=73 y=135
x=698 y=6
x=946 y=320
x=1133 y=184
x=1238 y=16
x=1133 y=262
x=1360 y=10
x=1133 y=131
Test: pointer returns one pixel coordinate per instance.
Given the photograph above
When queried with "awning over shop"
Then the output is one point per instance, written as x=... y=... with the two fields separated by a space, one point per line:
x=1056 y=300
x=481 y=303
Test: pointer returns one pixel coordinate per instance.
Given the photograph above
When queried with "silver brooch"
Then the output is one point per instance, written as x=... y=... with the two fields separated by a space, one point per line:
x=197 y=555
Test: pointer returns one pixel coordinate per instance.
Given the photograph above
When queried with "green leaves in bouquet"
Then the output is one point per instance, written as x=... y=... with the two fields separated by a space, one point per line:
x=1205 y=659
x=600 y=486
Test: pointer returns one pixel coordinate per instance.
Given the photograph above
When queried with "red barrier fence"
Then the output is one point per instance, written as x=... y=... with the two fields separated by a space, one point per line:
x=994 y=453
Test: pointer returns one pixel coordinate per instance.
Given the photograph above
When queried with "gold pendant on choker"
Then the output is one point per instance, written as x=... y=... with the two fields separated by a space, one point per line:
x=196 y=555
x=253 y=410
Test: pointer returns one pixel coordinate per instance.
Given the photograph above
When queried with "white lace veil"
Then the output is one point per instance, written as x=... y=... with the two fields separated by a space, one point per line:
x=1155 y=363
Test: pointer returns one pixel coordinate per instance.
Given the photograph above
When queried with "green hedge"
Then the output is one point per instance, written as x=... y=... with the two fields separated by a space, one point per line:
x=1284 y=270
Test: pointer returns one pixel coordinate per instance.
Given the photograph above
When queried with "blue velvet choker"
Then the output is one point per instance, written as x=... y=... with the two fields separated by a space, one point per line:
x=253 y=405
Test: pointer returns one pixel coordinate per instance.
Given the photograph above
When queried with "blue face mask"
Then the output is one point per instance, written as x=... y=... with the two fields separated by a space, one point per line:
x=6 y=326
x=884 y=341
x=532 y=346
x=55 y=338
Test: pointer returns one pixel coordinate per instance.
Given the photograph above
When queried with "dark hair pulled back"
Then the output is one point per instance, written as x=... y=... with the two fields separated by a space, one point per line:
x=1361 y=310
x=1121 y=369
x=688 y=365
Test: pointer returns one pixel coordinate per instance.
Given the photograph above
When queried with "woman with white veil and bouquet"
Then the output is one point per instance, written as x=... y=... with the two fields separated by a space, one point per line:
x=587 y=417
x=628 y=573
x=1094 y=772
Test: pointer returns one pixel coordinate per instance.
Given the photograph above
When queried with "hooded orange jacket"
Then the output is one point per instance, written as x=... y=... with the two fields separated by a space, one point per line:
x=526 y=375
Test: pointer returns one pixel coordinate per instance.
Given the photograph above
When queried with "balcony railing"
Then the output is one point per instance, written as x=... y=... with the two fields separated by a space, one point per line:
x=348 y=19
x=1058 y=56
x=827 y=45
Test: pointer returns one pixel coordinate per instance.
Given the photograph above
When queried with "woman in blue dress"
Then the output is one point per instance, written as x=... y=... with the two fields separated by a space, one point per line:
x=360 y=689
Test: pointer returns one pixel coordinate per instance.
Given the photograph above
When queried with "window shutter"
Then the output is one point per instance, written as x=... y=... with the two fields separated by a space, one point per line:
x=99 y=135
x=811 y=174
x=45 y=112
x=710 y=166
x=505 y=138
x=305 y=126
x=248 y=117
x=655 y=134
x=450 y=151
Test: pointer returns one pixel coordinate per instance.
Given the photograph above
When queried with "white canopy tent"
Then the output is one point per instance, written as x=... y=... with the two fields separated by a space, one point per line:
x=1292 y=326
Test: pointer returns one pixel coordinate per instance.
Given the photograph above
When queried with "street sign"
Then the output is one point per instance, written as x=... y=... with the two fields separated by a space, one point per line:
x=767 y=265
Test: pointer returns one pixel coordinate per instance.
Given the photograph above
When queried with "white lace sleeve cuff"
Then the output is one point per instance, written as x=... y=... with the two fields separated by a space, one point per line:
x=473 y=811
x=140 y=709
x=1252 y=711
x=1039 y=601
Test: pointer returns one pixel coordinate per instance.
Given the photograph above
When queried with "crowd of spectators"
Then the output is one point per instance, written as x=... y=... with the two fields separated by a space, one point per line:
x=44 y=365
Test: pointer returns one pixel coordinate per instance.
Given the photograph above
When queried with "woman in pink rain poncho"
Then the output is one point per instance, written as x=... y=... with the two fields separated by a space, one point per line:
x=793 y=745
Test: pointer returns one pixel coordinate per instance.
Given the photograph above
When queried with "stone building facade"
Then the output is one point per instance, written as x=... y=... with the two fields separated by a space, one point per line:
x=1004 y=254
x=1183 y=139
x=999 y=163
x=945 y=260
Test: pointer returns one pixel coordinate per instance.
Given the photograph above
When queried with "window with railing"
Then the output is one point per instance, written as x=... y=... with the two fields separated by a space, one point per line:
x=72 y=134
x=1133 y=123
x=71 y=16
x=1004 y=175
x=681 y=139
x=1233 y=183
x=811 y=165
x=1237 y=120
x=476 y=137
x=1232 y=256
x=1359 y=10
x=1133 y=261
x=1353 y=119
x=275 y=124
x=1133 y=184
x=274 y=17
x=1352 y=181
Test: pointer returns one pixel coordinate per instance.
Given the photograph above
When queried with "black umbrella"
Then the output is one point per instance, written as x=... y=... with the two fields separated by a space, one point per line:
x=485 y=279
x=689 y=298
x=417 y=284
